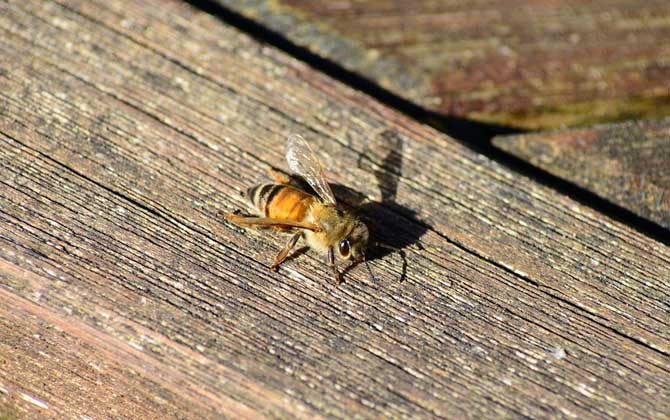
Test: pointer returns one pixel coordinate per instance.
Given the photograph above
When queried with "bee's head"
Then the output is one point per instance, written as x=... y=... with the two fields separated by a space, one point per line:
x=353 y=246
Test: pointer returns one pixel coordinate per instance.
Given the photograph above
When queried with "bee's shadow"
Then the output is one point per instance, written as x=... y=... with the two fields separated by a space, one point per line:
x=393 y=227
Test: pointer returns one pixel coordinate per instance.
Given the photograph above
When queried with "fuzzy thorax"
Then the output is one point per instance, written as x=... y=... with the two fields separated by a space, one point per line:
x=338 y=225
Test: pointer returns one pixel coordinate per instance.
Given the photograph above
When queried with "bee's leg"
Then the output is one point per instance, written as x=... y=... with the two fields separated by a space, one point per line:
x=284 y=252
x=279 y=177
x=270 y=222
x=331 y=263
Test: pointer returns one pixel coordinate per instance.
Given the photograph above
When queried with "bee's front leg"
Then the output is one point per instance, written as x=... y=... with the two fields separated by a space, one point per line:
x=331 y=263
x=284 y=252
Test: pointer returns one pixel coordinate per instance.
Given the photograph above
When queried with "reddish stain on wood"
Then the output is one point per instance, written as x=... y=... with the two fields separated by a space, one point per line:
x=531 y=64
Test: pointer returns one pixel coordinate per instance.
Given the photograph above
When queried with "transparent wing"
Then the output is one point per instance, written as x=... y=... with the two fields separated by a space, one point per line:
x=302 y=161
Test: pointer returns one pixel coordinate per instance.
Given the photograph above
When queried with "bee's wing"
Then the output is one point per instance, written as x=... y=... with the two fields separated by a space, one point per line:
x=302 y=161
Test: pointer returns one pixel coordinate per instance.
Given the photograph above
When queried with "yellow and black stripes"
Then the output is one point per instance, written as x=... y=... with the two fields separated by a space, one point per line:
x=261 y=195
x=280 y=201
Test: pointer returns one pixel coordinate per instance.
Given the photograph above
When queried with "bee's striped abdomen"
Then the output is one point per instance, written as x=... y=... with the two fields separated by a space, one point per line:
x=280 y=201
x=260 y=195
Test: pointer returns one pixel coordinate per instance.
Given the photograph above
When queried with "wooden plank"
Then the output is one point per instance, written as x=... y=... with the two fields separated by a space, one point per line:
x=77 y=371
x=125 y=126
x=624 y=163
x=527 y=64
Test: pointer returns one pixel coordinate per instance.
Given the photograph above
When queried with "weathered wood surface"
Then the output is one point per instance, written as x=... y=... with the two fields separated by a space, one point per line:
x=126 y=125
x=628 y=164
x=55 y=366
x=530 y=64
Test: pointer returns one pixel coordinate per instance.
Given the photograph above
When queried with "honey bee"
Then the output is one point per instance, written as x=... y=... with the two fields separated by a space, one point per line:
x=326 y=226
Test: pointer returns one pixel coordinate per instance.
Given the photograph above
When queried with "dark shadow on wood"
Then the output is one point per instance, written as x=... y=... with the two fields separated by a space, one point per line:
x=475 y=135
x=393 y=227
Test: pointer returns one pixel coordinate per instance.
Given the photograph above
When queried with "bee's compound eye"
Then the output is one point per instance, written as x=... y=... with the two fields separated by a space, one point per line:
x=345 y=248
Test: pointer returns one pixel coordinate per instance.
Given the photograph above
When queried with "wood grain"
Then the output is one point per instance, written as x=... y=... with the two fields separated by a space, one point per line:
x=77 y=371
x=527 y=64
x=125 y=126
x=624 y=163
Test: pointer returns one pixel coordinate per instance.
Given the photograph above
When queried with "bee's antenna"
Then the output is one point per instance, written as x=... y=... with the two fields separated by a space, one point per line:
x=392 y=248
